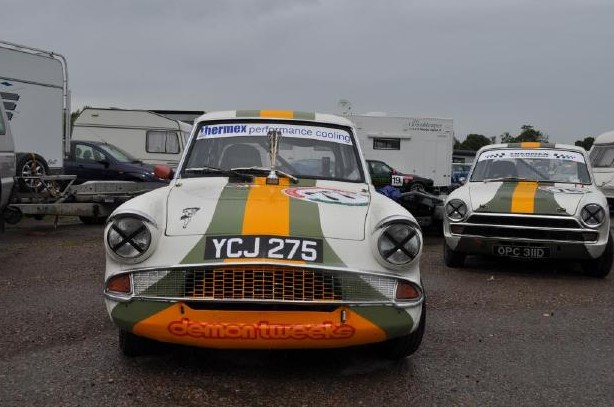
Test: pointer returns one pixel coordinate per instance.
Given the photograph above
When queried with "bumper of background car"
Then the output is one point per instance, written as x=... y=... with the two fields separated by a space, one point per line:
x=182 y=323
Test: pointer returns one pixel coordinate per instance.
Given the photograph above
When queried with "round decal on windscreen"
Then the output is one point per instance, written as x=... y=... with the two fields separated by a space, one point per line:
x=328 y=195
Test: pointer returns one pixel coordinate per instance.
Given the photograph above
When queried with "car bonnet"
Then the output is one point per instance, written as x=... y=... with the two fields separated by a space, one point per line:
x=526 y=197
x=215 y=206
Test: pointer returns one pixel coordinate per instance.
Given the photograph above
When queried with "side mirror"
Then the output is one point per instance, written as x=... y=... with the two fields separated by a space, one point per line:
x=462 y=180
x=163 y=172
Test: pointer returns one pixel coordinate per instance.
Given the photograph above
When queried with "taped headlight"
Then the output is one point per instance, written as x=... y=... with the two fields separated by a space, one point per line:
x=592 y=215
x=128 y=237
x=399 y=243
x=456 y=210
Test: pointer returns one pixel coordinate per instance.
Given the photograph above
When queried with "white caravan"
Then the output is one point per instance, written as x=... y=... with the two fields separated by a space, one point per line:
x=148 y=136
x=411 y=145
x=602 y=161
x=35 y=96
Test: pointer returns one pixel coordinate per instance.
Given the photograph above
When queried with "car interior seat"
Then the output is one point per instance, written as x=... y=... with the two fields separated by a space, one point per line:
x=87 y=155
x=501 y=169
x=240 y=155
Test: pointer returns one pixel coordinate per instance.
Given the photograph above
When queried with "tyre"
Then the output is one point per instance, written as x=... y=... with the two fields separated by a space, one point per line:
x=132 y=345
x=30 y=165
x=601 y=266
x=401 y=347
x=453 y=258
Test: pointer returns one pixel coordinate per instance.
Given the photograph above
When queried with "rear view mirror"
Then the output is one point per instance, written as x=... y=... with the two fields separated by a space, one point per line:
x=163 y=172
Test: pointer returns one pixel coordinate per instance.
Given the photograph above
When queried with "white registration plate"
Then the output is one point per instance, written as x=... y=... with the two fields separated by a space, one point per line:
x=522 y=252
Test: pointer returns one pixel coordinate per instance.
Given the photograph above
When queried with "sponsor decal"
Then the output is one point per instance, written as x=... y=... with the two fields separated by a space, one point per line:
x=328 y=195
x=258 y=247
x=262 y=330
x=532 y=153
x=286 y=130
x=559 y=190
x=187 y=214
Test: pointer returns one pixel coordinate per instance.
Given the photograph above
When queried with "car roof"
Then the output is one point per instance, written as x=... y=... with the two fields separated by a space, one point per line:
x=276 y=114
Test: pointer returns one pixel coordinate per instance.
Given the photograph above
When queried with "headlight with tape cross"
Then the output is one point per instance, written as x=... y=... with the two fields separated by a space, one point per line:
x=399 y=243
x=456 y=210
x=128 y=238
x=592 y=215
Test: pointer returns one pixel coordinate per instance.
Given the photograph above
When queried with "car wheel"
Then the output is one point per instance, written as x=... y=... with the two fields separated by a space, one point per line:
x=601 y=266
x=132 y=345
x=452 y=258
x=401 y=347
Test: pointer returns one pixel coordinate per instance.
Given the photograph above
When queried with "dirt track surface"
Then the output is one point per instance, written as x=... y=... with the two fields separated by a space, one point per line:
x=498 y=333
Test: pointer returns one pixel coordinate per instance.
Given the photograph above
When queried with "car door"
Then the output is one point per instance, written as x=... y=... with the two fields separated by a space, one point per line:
x=86 y=164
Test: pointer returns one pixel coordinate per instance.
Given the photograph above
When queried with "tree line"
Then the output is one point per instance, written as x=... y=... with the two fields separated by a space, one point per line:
x=474 y=142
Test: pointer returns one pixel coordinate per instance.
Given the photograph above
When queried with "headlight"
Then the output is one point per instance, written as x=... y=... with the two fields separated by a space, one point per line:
x=592 y=215
x=399 y=243
x=456 y=210
x=129 y=238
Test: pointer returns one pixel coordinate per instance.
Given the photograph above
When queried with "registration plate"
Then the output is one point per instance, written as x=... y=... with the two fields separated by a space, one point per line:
x=522 y=252
x=271 y=247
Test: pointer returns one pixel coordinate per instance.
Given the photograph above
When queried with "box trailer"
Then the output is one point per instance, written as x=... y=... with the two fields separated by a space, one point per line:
x=151 y=137
x=602 y=162
x=411 y=145
x=35 y=96
x=7 y=160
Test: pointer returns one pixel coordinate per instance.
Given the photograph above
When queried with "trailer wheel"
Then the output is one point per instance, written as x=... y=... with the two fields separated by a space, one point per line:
x=31 y=165
x=417 y=186
x=11 y=215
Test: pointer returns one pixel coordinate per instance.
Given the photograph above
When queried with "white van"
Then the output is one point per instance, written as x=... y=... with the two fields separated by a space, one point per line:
x=148 y=136
x=7 y=161
x=602 y=161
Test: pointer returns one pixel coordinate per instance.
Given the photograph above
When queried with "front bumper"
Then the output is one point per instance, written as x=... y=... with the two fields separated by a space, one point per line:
x=182 y=323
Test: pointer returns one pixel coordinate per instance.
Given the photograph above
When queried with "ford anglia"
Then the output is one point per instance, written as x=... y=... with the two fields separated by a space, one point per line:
x=530 y=201
x=269 y=236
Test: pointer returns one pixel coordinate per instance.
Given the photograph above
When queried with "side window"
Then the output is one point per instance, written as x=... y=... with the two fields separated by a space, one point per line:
x=159 y=141
x=386 y=144
x=86 y=153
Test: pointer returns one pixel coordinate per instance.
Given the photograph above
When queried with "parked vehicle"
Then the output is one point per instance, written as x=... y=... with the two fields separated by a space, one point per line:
x=246 y=250
x=92 y=160
x=602 y=161
x=7 y=161
x=530 y=201
x=382 y=174
x=150 y=137
x=34 y=93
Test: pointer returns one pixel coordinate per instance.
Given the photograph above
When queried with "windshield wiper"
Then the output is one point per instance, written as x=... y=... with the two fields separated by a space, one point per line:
x=216 y=171
x=264 y=170
x=509 y=179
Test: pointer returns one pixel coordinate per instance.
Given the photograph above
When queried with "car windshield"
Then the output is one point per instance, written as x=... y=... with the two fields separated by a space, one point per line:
x=602 y=156
x=117 y=154
x=525 y=164
x=305 y=150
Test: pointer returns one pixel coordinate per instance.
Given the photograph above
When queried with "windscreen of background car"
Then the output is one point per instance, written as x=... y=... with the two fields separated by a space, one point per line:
x=305 y=150
x=119 y=155
x=544 y=165
x=602 y=156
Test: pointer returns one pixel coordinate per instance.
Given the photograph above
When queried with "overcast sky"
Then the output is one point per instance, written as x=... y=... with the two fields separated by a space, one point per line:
x=491 y=65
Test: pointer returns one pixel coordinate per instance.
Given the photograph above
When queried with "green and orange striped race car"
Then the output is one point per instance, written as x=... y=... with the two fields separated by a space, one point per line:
x=269 y=236
x=530 y=201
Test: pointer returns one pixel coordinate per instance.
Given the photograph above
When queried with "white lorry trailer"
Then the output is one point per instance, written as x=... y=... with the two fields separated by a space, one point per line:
x=148 y=136
x=602 y=161
x=412 y=145
x=34 y=84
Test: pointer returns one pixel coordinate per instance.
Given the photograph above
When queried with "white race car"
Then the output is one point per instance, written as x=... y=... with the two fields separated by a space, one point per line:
x=270 y=235
x=530 y=201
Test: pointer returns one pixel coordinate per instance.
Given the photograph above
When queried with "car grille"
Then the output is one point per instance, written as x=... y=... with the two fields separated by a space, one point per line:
x=266 y=283
x=524 y=227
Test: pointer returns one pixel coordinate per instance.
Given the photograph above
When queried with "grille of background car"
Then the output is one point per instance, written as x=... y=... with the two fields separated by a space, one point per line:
x=264 y=283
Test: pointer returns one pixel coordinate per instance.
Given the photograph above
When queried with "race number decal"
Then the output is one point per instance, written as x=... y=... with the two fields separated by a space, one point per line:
x=259 y=247
x=397 y=181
